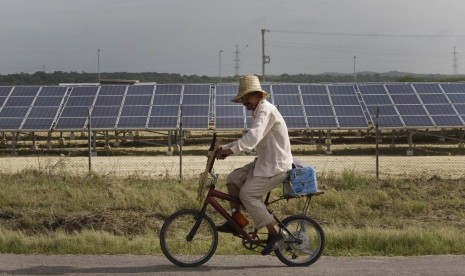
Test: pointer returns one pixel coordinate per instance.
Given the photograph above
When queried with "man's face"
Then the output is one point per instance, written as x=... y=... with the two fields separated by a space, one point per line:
x=250 y=101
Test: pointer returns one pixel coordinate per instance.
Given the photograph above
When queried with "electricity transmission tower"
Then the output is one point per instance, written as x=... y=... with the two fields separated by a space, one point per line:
x=454 y=60
x=236 y=62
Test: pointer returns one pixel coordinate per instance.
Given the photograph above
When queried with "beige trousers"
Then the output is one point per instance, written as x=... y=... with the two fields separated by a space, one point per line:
x=252 y=189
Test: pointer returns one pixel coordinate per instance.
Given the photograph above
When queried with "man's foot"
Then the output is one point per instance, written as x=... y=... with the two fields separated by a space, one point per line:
x=225 y=228
x=274 y=241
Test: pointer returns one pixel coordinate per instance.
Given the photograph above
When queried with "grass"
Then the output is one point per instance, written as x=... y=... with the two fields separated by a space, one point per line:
x=59 y=213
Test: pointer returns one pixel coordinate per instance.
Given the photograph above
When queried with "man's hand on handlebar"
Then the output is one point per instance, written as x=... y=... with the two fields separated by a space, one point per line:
x=223 y=153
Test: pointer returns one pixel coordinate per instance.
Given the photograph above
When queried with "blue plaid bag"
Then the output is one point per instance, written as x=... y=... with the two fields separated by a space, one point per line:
x=302 y=181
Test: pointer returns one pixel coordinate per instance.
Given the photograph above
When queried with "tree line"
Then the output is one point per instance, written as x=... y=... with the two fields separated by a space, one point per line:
x=57 y=77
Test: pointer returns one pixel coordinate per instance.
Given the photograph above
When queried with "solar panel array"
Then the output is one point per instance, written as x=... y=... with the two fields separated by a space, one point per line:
x=205 y=106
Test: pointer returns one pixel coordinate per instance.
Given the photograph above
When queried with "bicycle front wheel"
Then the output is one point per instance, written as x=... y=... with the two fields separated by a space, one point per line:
x=179 y=248
x=305 y=245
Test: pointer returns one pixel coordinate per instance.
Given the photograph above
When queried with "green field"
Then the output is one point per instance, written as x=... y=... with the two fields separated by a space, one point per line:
x=68 y=214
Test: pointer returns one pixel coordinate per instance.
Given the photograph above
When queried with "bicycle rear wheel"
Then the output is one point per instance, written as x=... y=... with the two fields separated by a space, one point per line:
x=308 y=244
x=178 y=248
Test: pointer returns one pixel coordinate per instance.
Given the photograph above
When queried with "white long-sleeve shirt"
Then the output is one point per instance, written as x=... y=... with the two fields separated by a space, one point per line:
x=270 y=138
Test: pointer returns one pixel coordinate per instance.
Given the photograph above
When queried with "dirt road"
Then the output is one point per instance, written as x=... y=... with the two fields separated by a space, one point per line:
x=447 y=265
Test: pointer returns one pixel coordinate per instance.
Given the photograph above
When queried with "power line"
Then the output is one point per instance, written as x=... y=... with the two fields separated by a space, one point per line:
x=371 y=34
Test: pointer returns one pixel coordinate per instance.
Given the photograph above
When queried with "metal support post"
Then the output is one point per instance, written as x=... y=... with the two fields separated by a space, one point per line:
x=410 y=143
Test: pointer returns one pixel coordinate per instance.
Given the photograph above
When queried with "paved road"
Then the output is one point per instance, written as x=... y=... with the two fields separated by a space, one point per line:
x=230 y=265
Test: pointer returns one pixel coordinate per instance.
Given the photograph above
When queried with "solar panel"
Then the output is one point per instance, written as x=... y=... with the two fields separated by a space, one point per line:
x=35 y=124
x=168 y=89
x=224 y=100
x=163 y=123
x=440 y=109
x=460 y=108
x=430 y=88
x=285 y=89
x=53 y=91
x=456 y=98
x=377 y=99
x=25 y=91
x=345 y=100
x=229 y=90
x=405 y=99
x=77 y=123
x=73 y=111
x=291 y=111
x=166 y=99
x=316 y=100
x=341 y=90
x=112 y=90
x=135 y=111
x=197 y=89
x=352 y=122
x=267 y=88
x=453 y=87
x=383 y=110
x=399 y=89
x=109 y=100
x=196 y=99
x=2 y=100
x=286 y=99
x=19 y=101
x=5 y=90
x=10 y=123
x=447 y=121
x=195 y=110
x=346 y=110
x=417 y=121
x=48 y=101
x=105 y=111
x=195 y=122
x=229 y=122
x=165 y=111
x=12 y=112
x=84 y=91
x=138 y=100
x=80 y=101
x=317 y=110
x=43 y=112
x=229 y=111
x=313 y=89
x=411 y=110
x=322 y=122
x=388 y=122
x=228 y=115
x=133 y=122
x=103 y=122
x=140 y=89
x=375 y=89
x=433 y=98
x=295 y=122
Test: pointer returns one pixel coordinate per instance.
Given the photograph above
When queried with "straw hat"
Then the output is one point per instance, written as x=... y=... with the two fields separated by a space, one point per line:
x=248 y=84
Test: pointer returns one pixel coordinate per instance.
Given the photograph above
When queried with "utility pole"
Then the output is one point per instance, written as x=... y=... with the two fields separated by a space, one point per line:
x=236 y=60
x=219 y=66
x=355 y=74
x=454 y=60
x=265 y=59
x=98 y=64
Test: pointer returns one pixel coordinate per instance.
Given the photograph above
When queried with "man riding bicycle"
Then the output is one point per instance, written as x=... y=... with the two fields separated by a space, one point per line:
x=269 y=136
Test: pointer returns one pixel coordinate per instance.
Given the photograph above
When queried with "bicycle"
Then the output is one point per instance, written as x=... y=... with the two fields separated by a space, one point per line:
x=189 y=237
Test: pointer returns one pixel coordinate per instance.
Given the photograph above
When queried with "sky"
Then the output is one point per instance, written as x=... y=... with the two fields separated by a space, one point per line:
x=186 y=36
